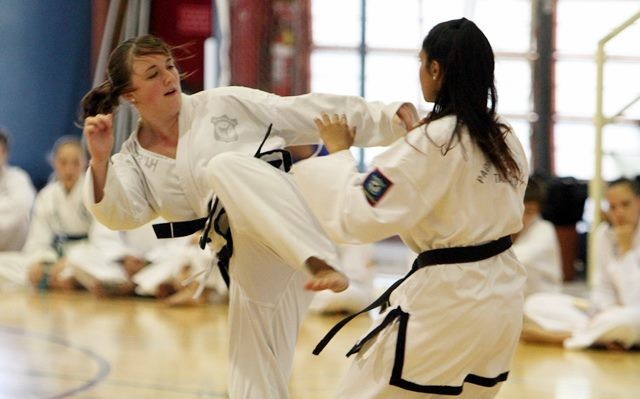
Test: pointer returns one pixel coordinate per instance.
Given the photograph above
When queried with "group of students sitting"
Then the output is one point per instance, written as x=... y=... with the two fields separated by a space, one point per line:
x=49 y=241
x=608 y=315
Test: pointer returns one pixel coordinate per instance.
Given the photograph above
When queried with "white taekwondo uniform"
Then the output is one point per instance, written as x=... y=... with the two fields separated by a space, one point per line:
x=613 y=312
x=273 y=231
x=16 y=199
x=538 y=249
x=59 y=221
x=454 y=325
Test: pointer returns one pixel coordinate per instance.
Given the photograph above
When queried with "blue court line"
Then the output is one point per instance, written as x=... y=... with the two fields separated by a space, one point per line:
x=200 y=393
x=102 y=373
x=103 y=364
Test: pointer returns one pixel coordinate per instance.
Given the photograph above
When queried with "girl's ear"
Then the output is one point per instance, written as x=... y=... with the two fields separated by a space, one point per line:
x=434 y=70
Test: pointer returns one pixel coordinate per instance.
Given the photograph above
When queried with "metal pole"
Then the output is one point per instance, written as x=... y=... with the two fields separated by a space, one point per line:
x=106 y=44
x=596 y=184
x=543 y=89
x=363 y=60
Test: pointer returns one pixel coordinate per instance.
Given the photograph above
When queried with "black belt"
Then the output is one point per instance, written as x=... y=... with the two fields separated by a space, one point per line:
x=60 y=239
x=441 y=256
x=178 y=229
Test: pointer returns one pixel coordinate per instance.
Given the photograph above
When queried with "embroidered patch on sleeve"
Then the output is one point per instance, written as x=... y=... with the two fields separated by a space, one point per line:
x=375 y=186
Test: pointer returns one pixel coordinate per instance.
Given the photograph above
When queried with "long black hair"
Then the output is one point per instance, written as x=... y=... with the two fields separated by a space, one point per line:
x=468 y=90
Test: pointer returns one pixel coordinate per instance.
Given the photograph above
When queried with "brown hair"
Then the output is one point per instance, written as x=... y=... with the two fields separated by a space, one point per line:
x=61 y=142
x=625 y=181
x=103 y=99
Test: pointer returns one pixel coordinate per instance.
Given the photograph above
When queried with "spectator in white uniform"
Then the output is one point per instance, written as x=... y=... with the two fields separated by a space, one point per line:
x=189 y=148
x=453 y=190
x=611 y=316
x=16 y=199
x=537 y=246
x=60 y=220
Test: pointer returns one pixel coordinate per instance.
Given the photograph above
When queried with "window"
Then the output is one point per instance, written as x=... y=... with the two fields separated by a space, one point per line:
x=575 y=91
x=385 y=66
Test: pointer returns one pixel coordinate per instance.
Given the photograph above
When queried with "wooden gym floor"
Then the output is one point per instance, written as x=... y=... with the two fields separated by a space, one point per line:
x=70 y=345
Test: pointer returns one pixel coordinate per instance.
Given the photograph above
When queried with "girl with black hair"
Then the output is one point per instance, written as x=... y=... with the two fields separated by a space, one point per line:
x=453 y=190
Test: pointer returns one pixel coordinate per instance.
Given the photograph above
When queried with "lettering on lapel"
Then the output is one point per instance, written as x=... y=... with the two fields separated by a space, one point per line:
x=224 y=128
x=484 y=172
x=151 y=163
x=148 y=162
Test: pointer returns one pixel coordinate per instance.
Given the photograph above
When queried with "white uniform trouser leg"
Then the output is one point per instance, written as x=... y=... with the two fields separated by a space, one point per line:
x=547 y=314
x=265 y=203
x=267 y=303
x=13 y=269
x=617 y=324
x=97 y=263
x=552 y=316
x=274 y=233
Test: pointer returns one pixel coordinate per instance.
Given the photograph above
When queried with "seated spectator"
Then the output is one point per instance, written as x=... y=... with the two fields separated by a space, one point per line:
x=536 y=245
x=16 y=199
x=612 y=315
x=59 y=221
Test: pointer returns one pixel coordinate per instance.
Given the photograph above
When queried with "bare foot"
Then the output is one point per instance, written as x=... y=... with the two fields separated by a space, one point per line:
x=543 y=337
x=102 y=289
x=165 y=290
x=615 y=346
x=184 y=297
x=38 y=276
x=325 y=277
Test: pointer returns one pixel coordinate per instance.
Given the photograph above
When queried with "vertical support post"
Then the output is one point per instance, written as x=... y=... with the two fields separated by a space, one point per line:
x=542 y=132
x=363 y=60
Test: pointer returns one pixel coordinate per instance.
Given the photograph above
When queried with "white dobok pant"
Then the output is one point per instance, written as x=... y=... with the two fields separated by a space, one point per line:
x=273 y=234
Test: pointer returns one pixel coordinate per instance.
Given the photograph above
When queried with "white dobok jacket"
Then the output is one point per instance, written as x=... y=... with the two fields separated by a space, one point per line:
x=16 y=199
x=142 y=185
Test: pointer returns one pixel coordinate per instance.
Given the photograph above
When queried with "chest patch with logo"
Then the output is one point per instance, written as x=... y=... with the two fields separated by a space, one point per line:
x=375 y=187
x=224 y=128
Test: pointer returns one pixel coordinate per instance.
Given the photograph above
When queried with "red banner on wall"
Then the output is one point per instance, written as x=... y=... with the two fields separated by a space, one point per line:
x=185 y=23
x=271 y=44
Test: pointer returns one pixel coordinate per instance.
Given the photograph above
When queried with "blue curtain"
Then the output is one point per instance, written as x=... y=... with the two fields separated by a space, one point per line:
x=45 y=58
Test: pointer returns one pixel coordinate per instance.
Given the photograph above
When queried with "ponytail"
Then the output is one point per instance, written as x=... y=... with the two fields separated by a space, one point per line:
x=100 y=100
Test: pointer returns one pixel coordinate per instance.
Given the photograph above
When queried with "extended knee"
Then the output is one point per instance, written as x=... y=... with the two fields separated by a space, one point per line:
x=226 y=165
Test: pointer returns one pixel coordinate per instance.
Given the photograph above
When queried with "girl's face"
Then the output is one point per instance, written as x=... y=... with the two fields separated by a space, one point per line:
x=156 y=86
x=430 y=78
x=624 y=205
x=68 y=164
